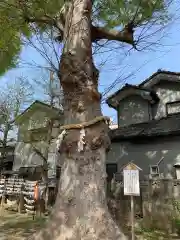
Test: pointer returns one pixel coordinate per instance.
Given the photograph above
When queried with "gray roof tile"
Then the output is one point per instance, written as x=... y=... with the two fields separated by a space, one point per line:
x=165 y=126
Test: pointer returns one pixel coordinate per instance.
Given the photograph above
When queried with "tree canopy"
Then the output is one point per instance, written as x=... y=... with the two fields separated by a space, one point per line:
x=19 y=19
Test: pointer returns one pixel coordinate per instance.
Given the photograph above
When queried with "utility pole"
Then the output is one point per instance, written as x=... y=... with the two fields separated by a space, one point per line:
x=51 y=87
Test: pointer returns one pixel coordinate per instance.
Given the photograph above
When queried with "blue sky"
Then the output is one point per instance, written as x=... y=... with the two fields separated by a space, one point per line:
x=143 y=64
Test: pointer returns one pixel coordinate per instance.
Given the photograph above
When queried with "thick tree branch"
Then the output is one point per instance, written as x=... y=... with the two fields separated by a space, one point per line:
x=46 y=20
x=125 y=35
x=98 y=33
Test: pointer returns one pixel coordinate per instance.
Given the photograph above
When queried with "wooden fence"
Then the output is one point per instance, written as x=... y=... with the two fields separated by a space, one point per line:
x=158 y=204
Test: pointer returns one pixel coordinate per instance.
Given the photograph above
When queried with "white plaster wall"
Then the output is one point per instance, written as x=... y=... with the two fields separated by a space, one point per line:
x=146 y=154
x=133 y=109
x=55 y=132
x=38 y=119
x=24 y=156
x=167 y=92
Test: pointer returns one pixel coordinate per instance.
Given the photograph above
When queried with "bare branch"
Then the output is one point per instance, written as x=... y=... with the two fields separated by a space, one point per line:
x=45 y=20
x=39 y=154
x=14 y=97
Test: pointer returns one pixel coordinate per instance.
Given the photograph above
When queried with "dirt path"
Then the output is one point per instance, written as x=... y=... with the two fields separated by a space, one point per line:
x=14 y=226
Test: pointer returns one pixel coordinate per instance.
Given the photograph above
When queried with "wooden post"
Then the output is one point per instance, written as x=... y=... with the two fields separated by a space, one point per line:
x=2 y=204
x=131 y=188
x=132 y=217
x=21 y=203
x=3 y=197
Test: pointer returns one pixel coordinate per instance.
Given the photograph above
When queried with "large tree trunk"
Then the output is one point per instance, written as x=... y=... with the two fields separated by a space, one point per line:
x=80 y=211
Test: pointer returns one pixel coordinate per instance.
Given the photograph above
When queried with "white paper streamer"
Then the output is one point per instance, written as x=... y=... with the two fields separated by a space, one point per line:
x=60 y=138
x=81 y=140
x=29 y=211
x=11 y=203
x=28 y=201
x=29 y=207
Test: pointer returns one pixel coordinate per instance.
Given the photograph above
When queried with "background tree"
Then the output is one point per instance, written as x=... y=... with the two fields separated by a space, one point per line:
x=80 y=210
x=15 y=96
x=48 y=89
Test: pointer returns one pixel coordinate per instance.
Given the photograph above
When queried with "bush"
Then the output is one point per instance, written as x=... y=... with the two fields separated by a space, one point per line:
x=177 y=225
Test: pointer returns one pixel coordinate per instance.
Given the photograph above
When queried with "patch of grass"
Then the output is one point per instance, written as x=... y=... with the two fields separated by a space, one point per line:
x=150 y=234
x=153 y=234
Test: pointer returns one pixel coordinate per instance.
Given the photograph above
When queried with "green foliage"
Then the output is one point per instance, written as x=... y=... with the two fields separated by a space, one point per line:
x=14 y=27
x=177 y=225
x=10 y=45
x=110 y=13
x=10 y=37
x=117 y=13
x=151 y=234
x=176 y=205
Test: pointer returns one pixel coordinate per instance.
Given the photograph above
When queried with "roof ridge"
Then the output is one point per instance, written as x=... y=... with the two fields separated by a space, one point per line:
x=34 y=103
x=159 y=71
x=152 y=128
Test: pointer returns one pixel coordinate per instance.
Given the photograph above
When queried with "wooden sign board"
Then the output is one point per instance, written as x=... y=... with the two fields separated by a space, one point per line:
x=131 y=180
x=131 y=166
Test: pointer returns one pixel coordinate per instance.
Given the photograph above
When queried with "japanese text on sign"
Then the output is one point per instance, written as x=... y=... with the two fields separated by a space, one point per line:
x=131 y=182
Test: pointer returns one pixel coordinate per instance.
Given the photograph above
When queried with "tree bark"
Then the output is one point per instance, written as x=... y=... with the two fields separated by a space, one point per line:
x=80 y=211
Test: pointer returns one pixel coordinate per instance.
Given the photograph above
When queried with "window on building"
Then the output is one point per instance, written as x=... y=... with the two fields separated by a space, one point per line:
x=154 y=170
x=58 y=172
x=172 y=107
x=9 y=166
x=111 y=169
x=10 y=152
